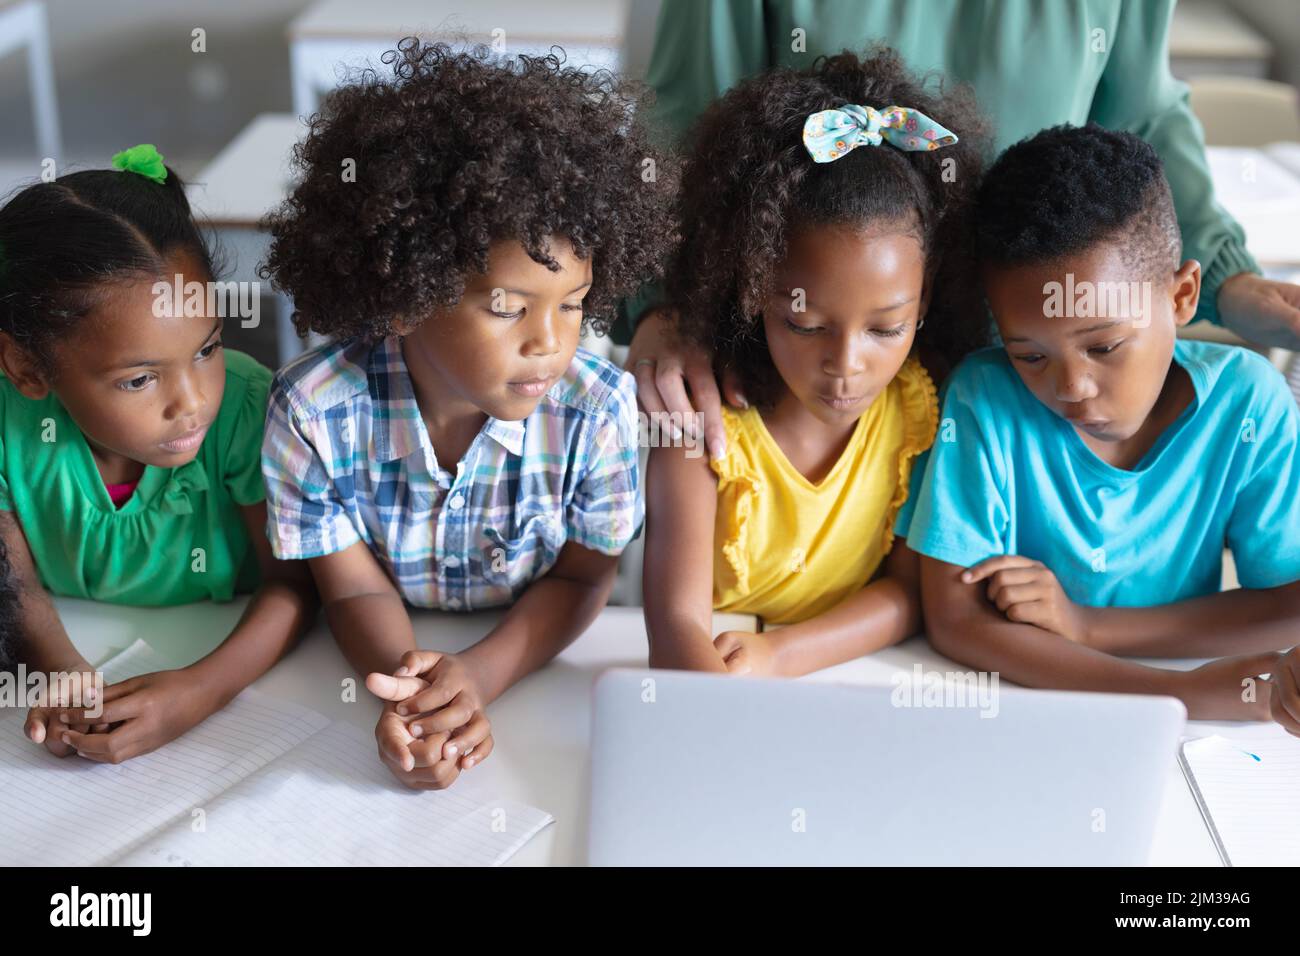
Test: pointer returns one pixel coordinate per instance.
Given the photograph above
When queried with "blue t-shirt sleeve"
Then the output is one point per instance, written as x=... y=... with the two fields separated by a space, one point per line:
x=1264 y=527
x=960 y=513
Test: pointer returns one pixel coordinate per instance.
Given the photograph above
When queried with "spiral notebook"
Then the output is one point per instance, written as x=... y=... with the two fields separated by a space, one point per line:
x=1248 y=790
x=263 y=782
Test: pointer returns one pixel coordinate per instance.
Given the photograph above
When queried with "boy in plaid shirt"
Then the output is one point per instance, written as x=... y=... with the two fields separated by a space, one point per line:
x=453 y=447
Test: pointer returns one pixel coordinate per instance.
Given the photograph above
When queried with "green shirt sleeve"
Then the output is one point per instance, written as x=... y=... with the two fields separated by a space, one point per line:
x=702 y=48
x=241 y=464
x=1138 y=93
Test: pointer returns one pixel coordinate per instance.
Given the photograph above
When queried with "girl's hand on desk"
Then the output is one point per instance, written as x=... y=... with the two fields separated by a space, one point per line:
x=747 y=653
x=1222 y=689
x=141 y=715
x=1027 y=592
x=44 y=724
x=1284 y=692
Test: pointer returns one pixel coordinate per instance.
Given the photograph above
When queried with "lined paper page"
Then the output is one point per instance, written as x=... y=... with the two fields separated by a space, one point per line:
x=274 y=784
x=57 y=811
x=330 y=802
x=1253 y=805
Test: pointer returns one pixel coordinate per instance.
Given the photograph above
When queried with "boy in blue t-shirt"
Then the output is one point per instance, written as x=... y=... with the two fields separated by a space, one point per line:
x=1088 y=474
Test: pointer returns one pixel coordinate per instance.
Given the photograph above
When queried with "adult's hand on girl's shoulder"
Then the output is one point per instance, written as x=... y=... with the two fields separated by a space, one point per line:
x=673 y=377
x=1230 y=688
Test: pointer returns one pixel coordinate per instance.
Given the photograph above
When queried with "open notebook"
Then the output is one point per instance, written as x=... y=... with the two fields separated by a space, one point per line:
x=1248 y=791
x=262 y=782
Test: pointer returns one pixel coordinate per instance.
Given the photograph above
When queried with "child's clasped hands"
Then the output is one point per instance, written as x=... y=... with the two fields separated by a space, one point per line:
x=433 y=724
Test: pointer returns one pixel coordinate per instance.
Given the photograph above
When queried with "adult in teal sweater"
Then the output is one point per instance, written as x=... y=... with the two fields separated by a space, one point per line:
x=1032 y=63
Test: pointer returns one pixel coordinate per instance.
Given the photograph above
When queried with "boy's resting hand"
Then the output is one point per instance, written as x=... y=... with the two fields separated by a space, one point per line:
x=1027 y=592
x=1284 y=691
x=140 y=714
x=1230 y=688
x=433 y=725
x=417 y=763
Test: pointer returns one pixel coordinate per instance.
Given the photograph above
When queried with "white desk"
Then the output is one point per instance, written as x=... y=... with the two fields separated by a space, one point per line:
x=334 y=37
x=540 y=727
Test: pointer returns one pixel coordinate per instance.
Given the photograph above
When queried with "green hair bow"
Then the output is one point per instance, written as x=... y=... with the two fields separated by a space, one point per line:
x=144 y=160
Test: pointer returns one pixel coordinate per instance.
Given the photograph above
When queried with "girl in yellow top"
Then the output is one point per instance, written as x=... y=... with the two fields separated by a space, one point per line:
x=825 y=224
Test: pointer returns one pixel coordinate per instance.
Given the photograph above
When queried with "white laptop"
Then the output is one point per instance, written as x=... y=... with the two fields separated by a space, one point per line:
x=702 y=769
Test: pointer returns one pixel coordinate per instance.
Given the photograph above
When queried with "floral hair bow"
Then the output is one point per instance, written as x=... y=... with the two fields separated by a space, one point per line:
x=144 y=160
x=830 y=134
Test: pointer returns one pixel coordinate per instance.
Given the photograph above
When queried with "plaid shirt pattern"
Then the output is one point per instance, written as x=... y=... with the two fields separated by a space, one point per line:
x=347 y=458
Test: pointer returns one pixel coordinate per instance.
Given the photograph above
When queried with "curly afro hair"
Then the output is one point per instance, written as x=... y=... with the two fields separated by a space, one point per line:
x=749 y=182
x=1069 y=188
x=456 y=150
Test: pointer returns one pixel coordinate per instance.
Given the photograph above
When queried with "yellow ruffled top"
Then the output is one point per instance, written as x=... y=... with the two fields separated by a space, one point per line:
x=787 y=549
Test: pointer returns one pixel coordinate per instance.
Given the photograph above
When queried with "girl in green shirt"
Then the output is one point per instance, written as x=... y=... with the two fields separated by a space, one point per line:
x=130 y=448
